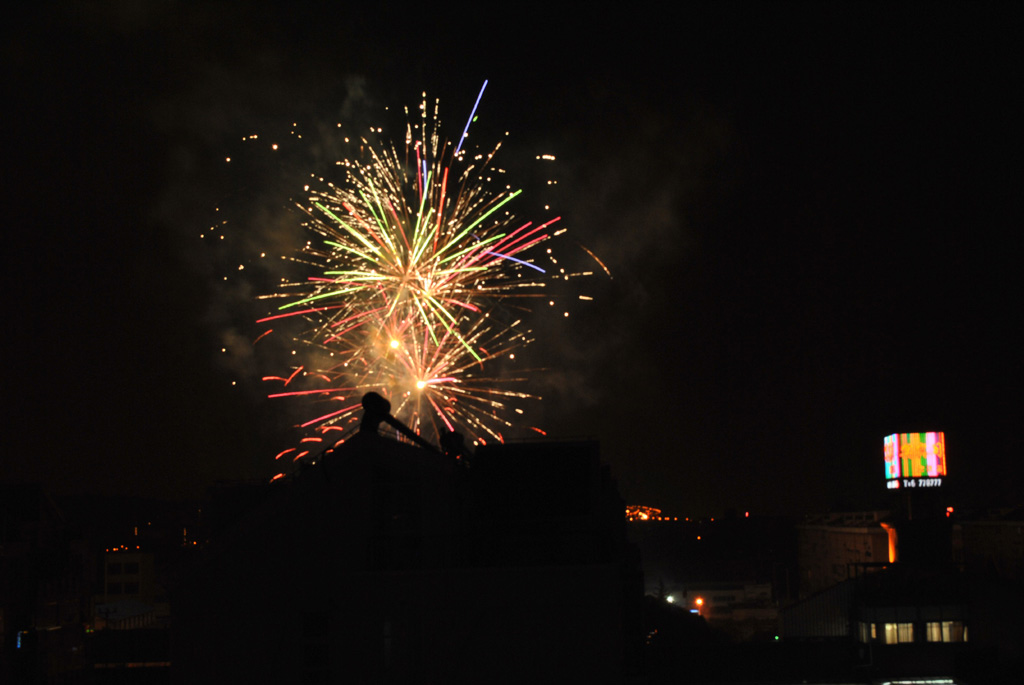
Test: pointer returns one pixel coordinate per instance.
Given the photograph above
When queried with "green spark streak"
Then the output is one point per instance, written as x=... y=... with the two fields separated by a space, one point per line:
x=474 y=246
x=343 y=291
x=379 y=219
x=419 y=218
x=422 y=245
x=459 y=338
x=473 y=225
x=441 y=308
x=360 y=275
x=351 y=250
x=430 y=329
x=355 y=234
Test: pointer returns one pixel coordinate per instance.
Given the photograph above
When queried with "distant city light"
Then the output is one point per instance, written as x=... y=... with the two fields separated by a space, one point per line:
x=637 y=512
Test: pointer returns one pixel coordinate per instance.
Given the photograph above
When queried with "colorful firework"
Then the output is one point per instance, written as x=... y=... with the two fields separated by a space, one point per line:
x=418 y=265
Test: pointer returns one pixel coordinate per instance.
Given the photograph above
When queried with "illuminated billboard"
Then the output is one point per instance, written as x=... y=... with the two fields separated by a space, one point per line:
x=914 y=460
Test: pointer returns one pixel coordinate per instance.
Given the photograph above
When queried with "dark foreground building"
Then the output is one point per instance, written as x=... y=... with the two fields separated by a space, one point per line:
x=939 y=603
x=386 y=562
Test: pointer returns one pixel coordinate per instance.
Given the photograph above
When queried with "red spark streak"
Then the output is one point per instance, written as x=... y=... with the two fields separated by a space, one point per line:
x=506 y=244
x=327 y=416
x=470 y=307
x=322 y=391
x=419 y=175
x=441 y=414
x=304 y=311
x=286 y=380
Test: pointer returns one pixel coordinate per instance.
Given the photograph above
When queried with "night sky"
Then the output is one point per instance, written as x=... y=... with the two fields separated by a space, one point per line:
x=810 y=214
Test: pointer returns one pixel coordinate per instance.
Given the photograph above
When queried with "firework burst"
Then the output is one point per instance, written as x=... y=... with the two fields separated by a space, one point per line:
x=416 y=272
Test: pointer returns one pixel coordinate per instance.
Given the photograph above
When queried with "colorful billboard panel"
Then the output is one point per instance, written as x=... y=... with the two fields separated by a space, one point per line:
x=914 y=459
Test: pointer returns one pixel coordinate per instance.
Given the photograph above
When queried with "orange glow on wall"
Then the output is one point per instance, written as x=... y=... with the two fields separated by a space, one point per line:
x=893 y=542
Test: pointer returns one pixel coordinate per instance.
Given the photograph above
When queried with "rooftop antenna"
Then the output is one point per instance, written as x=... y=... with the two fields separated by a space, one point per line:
x=377 y=409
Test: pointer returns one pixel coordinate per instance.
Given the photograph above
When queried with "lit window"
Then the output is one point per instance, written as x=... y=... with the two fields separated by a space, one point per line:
x=899 y=633
x=865 y=631
x=946 y=631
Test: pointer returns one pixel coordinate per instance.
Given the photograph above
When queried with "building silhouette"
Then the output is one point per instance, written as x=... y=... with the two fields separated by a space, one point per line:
x=912 y=596
x=389 y=562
